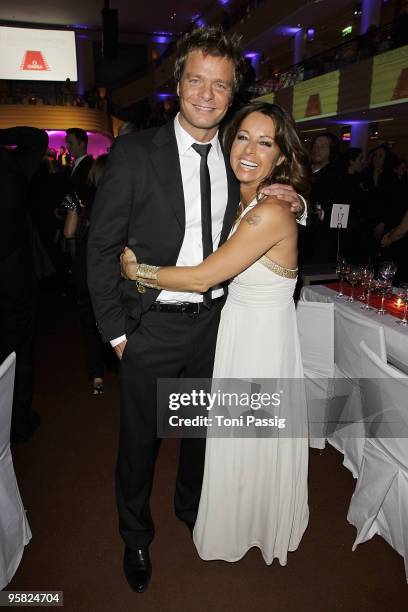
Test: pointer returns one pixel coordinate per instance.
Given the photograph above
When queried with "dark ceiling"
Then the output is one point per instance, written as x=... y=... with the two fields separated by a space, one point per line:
x=134 y=16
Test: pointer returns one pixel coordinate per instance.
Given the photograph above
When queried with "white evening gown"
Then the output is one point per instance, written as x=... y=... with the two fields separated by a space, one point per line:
x=255 y=489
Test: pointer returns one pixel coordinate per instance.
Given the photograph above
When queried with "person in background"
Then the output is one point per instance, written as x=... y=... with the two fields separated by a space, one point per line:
x=400 y=170
x=355 y=239
x=77 y=144
x=76 y=226
x=320 y=244
x=17 y=271
x=64 y=159
x=385 y=208
x=68 y=93
x=77 y=185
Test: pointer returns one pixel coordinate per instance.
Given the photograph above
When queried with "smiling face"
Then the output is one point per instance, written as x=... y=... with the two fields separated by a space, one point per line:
x=254 y=152
x=205 y=92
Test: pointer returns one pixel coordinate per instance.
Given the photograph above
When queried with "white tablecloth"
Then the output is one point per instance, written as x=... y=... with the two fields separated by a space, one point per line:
x=396 y=336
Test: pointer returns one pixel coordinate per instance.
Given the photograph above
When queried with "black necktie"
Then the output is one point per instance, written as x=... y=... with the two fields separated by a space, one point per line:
x=206 y=224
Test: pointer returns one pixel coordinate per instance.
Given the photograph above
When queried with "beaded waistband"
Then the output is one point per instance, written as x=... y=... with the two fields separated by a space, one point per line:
x=279 y=270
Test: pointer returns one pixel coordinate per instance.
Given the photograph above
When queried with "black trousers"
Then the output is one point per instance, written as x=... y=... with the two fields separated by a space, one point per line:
x=92 y=340
x=165 y=345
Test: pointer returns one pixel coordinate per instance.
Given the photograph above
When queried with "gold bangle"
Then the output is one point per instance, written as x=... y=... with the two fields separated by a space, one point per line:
x=146 y=271
x=145 y=274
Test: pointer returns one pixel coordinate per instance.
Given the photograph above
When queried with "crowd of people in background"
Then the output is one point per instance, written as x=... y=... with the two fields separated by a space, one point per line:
x=375 y=188
x=47 y=197
x=51 y=93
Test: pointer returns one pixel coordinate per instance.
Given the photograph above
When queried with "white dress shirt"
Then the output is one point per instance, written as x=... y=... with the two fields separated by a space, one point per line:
x=191 y=252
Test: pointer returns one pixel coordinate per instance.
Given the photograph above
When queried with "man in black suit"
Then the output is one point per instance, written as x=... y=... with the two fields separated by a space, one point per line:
x=151 y=199
x=77 y=144
x=18 y=288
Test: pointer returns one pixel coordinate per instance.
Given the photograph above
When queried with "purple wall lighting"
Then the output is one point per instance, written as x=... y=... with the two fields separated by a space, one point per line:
x=162 y=37
x=370 y=14
x=98 y=144
x=287 y=30
x=163 y=40
x=310 y=33
x=164 y=96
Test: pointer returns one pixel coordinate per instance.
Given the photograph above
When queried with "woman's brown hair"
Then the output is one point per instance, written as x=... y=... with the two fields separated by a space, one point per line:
x=294 y=170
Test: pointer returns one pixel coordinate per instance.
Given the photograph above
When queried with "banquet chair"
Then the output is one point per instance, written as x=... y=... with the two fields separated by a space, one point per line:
x=380 y=501
x=14 y=529
x=316 y=334
x=348 y=428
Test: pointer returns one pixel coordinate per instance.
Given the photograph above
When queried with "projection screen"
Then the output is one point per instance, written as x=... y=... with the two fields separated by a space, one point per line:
x=37 y=55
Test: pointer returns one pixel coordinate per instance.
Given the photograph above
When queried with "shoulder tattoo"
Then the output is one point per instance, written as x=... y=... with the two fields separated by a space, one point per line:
x=253 y=219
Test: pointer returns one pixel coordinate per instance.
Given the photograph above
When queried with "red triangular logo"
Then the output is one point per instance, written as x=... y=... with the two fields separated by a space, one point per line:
x=34 y=60
x=313 y=106
x=401 y=88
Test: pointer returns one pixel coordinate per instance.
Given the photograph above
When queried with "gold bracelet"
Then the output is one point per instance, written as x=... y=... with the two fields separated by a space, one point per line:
x=146 y=273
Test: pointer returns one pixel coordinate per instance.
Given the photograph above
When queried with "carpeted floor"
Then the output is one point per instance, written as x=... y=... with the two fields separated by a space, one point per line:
x=66 y=475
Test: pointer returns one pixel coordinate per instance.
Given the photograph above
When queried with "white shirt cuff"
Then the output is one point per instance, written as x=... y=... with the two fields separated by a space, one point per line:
x=117 y=341
x=302 y=219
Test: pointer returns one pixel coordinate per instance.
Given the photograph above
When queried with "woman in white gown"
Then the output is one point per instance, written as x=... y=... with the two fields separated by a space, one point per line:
x=254 y=489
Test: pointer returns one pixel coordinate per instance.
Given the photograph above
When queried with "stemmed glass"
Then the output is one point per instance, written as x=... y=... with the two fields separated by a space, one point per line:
x=343 y=268
x=402 y=293
x=386 y=272
x=367 y=278
x=353 y=278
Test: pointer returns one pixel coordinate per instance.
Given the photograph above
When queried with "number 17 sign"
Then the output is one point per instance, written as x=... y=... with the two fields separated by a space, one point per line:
x=339 y=216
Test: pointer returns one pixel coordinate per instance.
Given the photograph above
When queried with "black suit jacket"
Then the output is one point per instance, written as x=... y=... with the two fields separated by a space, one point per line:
x=139 y=203
x=78 y=180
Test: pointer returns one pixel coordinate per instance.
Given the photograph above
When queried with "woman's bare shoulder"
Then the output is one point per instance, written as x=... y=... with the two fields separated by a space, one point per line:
x=271 y=210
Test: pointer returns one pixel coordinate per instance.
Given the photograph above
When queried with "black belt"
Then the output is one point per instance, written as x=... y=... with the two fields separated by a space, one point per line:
x=187 y=307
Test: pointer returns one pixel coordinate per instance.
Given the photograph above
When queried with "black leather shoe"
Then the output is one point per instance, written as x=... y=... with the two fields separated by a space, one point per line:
x=138 y=568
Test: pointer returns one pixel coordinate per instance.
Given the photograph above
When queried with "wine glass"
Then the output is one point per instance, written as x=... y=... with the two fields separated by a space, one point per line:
x=402 y=293
x=367 y=278
x=386 y=272
x=343 y=268
x=353 y=278
x=382 y=287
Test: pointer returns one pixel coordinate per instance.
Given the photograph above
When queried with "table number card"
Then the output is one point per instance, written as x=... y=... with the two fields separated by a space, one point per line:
x=339 y=216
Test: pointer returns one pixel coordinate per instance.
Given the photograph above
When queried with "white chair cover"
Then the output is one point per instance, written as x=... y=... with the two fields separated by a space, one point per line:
x=14 y=529
x=380 y=501
x=316 y=334
x=349 y=430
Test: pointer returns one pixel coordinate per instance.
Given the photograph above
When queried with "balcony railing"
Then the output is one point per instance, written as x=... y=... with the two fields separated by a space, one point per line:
x=374 y=42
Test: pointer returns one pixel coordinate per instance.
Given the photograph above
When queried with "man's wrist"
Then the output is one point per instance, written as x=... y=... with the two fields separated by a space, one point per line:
x=118 y=340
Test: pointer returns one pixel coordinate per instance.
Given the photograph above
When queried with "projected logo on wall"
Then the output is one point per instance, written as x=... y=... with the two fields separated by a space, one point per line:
x=34 y=60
